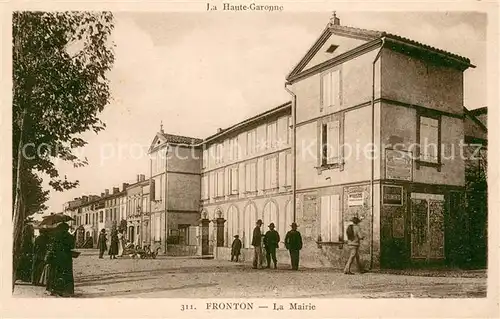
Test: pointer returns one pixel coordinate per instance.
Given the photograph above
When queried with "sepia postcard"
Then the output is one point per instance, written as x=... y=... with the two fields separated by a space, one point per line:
x=250 y=159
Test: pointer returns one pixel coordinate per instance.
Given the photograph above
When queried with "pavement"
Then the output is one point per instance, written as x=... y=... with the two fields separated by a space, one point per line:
x=180 y=277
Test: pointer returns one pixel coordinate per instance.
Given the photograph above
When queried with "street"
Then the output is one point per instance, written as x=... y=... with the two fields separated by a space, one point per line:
x=201 y=278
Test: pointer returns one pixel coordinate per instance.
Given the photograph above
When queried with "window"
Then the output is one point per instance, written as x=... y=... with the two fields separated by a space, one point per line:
x=288 y=169
x=233 y=180
x=101 y=217
x=145 y=204
x=251 y=142
x=183 y=234
x=220 y=183
x=270 y=173
x=330 y=143
x=157 y=187
x=250 y=177
x=157 y=227
x=219 y=153
x=233 y=149
x=272 y=130
x=429 y=139
x=205 y=158
x=330 y=218
x=204 y=187
x=330 y=90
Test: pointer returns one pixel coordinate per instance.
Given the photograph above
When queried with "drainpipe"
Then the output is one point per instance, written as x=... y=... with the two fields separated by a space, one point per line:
x=165 y=200
x=294 y=147
x=373 y=154
x=149 y=199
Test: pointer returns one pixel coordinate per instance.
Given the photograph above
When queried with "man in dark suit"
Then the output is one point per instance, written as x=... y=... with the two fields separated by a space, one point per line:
x=271 y=240
x=257 y=245
x=293 y=242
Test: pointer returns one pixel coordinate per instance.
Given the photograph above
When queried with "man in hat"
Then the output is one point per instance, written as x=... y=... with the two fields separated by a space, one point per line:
x=257 y=244
x=293 y=242
x=271 y=240
x=353 y=240
x=235 y=248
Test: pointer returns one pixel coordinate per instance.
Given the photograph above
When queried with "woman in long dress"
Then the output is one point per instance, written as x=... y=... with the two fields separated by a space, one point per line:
x=113 y=246
x=120 y=244
x=39 y=253
x=60 y=258
x=101 y=243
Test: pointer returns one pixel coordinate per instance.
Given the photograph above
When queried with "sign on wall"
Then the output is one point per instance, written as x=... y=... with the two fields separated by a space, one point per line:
x=398 y=165
x=392 y=195
x=355 y=198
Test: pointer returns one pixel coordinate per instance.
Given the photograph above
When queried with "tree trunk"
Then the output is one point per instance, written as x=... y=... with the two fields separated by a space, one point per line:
x=18 y=215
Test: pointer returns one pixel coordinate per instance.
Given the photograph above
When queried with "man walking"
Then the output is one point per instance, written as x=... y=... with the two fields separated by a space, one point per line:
x=271 y=240
x=293 y=242
x=257 y=245
x=353 y=240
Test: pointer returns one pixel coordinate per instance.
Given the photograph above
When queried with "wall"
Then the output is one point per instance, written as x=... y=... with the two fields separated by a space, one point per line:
x=183 y=192
x=409 y=80
x=184 y=159
x=356 y=88
x=399 y=125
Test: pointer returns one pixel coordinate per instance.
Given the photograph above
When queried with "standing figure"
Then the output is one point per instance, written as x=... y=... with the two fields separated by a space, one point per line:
x=236 y=248
x=101 y=243
x=121 y=244
x=60 y=258
x=257 y=245
x=353 y=241
x=113 y=246
x=39 y=252
x=293 y=242
x=23 y=271
x=271 y=240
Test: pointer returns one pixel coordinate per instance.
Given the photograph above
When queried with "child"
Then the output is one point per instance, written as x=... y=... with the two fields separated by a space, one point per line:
x=235 y=248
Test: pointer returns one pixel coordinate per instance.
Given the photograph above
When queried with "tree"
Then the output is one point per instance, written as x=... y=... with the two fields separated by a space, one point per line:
x=60 y=85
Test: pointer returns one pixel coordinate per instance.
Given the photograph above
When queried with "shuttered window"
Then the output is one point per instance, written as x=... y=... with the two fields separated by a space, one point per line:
x=220 y=183
x=250 y=177
x=330 y=135
x=204 y=187
x=251 y=142
x=233 y=180
x=272 y=130
x=330 y=218
x=330 y=90
x=270 y=173
x=429 y=139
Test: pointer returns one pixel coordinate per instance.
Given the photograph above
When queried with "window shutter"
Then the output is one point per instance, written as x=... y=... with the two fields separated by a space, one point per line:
x=335 y=95
x=273 y=173
x=333 y=142
x=325 y=218
x=234 y=180
x=335 y=217
x=326 y=89
x=253 y=176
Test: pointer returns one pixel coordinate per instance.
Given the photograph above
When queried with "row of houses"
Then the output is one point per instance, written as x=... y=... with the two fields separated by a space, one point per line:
x=307 y=161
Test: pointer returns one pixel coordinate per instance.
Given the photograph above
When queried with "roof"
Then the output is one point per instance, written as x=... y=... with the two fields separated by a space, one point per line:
x=178 y=139
x=373 y=35
x=473 y=115
x=249 y=121
x=479 y=111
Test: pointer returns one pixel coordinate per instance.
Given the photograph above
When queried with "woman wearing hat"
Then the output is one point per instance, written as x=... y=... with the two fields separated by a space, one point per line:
x=101 y=243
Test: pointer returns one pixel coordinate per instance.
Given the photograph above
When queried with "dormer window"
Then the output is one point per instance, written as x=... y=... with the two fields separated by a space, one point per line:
x=332 y=48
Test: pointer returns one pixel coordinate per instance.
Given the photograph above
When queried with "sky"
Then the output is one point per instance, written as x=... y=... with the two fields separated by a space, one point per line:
x=196 y=72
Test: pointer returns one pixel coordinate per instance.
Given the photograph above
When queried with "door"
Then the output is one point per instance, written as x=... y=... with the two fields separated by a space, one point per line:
x=427 y=226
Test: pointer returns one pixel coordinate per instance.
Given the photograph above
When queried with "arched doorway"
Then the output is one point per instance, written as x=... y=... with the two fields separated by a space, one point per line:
x=270 y=215
x=250 y=218
x=131 y=234
x=232 y=224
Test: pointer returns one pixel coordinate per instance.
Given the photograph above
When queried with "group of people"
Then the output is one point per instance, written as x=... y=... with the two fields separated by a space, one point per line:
x=116 y=243
x=293 y=243
x=47 y=260
x=270 y=242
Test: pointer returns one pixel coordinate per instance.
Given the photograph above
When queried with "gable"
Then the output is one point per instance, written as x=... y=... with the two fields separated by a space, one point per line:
x=157 y=141
x=343 y=44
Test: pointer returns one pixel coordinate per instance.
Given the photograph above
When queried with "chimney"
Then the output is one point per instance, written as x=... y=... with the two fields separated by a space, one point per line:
x=106 y=192
x=102 y=194
x=116 y=190
x=219 y=130
x=142 y=177
x=334 y=20
x=85 y=198
x=138 y=178
x=124 y=186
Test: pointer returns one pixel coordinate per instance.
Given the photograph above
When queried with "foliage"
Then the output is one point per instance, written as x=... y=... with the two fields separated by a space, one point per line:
x=60 y=60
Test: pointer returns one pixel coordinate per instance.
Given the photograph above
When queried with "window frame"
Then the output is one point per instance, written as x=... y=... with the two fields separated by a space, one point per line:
x=322 y=137
x=338 y=101
x=435 y=116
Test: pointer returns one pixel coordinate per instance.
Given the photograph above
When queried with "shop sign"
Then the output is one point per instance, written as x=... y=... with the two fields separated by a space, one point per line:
x=398 y=165
x=392 y=195
x=355 y=197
